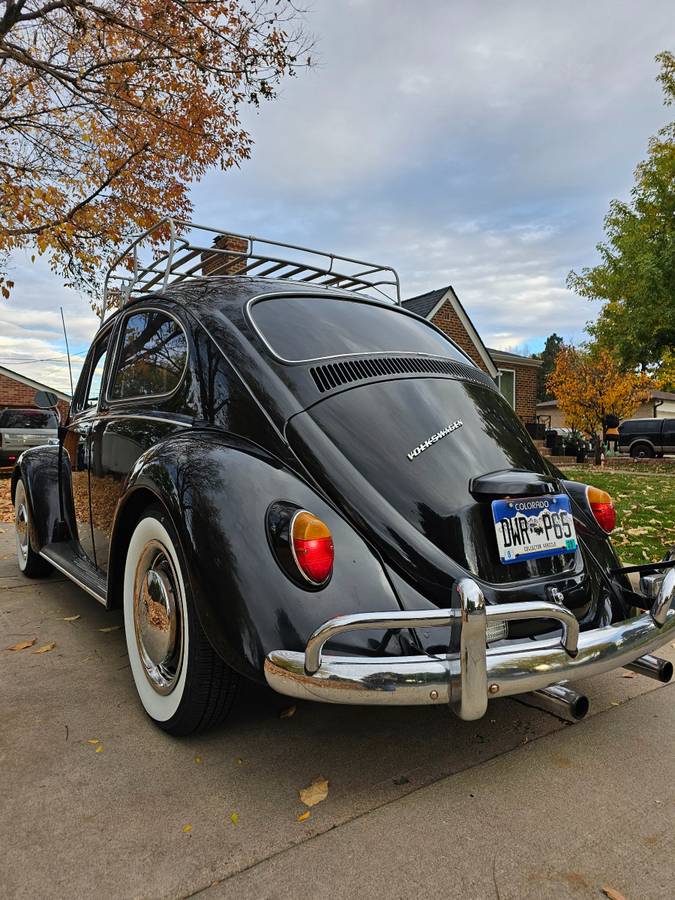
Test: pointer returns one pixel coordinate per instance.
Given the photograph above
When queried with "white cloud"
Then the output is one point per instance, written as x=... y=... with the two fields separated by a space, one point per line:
x=472 y=144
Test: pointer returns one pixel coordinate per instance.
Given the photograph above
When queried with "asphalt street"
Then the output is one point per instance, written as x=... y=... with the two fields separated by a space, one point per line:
x=98 y=802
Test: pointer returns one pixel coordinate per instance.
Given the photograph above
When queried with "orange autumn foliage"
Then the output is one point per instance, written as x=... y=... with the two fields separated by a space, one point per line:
x=109 y=109
x=589 y=385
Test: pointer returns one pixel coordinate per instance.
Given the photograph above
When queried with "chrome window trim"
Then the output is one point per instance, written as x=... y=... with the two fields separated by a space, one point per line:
x=111 y=402
x=302 y=295
x=115 y=417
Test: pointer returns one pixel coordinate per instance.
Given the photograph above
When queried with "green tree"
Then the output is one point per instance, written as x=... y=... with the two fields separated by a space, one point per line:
x=636 y=274
x=548 y=357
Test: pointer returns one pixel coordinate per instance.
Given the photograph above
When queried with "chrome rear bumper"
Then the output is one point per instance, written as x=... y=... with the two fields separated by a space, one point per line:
x=466 y=680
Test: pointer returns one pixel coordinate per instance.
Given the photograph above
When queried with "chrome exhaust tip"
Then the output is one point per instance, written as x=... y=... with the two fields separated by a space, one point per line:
x=560 y=699
x=652 y=667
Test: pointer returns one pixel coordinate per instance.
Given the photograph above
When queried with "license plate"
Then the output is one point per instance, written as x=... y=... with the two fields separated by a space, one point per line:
x=533 y=527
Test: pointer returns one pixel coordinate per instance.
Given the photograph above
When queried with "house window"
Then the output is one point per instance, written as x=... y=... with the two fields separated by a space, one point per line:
x=506 y=380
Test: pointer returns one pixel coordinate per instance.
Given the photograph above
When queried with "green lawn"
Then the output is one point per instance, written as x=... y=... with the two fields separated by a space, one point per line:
x=645 y=511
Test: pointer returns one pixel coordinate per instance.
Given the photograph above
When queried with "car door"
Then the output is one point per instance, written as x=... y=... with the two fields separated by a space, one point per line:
x=76 y=443
x=668 y=436
x=143 y=405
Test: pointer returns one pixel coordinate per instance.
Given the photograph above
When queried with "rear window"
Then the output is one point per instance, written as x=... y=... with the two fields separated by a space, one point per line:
x=299 y=329
x=33 y=419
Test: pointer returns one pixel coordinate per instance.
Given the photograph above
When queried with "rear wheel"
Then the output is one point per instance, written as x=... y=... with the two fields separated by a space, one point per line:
x=30 y=562
x=642 y=451
x=183 y=685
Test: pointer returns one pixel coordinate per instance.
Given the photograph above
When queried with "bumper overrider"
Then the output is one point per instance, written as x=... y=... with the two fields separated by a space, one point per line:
x=466 y=680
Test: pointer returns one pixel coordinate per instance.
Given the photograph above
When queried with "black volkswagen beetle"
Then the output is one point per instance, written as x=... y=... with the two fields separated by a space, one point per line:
x=280 y=474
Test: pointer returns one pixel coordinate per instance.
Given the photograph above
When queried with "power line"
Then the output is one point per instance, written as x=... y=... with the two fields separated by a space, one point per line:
x=29 y=362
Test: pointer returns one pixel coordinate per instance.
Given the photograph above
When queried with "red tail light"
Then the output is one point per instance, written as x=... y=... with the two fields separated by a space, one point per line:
x=312 y=545
x=602 y=508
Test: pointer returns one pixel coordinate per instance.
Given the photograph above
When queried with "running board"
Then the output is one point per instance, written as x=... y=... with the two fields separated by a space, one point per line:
x=67 y=557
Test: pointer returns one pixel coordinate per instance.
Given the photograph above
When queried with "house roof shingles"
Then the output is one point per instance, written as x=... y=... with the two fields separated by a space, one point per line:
x=425 y=303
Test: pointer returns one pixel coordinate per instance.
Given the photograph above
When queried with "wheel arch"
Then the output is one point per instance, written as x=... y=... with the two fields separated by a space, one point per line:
x=129 y=514
x=641 y=441
x=217 y=490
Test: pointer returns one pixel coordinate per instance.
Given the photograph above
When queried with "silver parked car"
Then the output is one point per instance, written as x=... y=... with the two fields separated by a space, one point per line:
x=23 y=428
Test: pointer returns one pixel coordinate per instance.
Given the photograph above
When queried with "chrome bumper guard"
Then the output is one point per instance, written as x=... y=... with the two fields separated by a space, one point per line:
x=466 y=680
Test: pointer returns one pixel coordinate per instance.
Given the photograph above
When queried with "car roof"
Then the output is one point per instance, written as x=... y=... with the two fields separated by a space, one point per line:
x=218 y=292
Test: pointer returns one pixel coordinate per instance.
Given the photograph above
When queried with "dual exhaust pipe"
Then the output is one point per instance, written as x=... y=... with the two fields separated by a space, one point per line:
x=559 y=698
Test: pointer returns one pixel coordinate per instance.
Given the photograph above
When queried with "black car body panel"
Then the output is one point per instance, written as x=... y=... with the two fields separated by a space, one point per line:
x=243 y=427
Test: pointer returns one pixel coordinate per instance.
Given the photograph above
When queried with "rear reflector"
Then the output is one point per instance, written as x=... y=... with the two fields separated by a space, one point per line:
x=602 y=508
x=312 y=545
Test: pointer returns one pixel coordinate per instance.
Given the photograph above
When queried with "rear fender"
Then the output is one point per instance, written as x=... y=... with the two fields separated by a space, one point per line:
x=217 y=491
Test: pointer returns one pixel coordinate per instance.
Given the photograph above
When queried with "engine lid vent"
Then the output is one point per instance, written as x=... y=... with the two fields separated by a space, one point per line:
x=332 y=375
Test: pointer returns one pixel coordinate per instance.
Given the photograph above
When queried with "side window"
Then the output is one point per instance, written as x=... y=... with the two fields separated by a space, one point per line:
x=153 y=356
x=87 y=395
x=507 y=385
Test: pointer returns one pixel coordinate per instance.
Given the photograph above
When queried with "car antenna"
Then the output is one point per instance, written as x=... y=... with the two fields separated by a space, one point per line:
x=65 y=335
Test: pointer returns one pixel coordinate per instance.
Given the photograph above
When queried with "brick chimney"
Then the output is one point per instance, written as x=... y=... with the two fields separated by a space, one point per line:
x=223 y=263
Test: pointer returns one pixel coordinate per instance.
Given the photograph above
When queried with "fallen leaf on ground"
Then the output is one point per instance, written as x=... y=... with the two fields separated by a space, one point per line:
x=93 y=741
x=239 y=761
x=71 y=618
x=304 y=816
x=22 y=645
x=287 y=713
x=109 y=628
x=628 y=675
x=187 y=829
x=234 y=818
x=315 y=793
x=99 y=749
x=198 y=759
x=611 y=893
x=45 y=648
x=615 y=703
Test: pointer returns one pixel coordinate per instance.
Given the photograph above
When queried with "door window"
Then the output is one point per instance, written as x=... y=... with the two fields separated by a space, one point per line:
x=153 y=356
x=89 y=389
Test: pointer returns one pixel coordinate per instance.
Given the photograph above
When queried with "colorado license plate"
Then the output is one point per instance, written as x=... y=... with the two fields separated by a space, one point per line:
x=532 y=527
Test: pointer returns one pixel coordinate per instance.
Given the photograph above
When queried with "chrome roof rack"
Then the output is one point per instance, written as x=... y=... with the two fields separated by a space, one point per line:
x=235 y=254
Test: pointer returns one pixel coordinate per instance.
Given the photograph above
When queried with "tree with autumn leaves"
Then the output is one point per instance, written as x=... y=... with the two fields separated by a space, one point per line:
x=109 y=109
x=589 y=384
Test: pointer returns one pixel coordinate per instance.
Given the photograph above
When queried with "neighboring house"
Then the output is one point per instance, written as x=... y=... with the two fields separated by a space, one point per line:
x=19 y=392
x=661 y=405
x=516 y=375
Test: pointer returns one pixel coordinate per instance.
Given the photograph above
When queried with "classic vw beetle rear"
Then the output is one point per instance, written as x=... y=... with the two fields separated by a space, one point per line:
x=280 y=479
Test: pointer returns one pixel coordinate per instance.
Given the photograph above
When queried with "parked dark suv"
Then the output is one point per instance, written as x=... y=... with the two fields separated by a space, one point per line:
x=644 y=438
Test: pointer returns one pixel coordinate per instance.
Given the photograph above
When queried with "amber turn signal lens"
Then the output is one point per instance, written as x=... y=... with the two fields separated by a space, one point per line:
x=602 y=508
x=312 y=545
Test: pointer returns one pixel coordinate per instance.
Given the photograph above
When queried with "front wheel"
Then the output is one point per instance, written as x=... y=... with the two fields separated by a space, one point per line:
x=183 y=685
x=642 y=451
x=30 y=562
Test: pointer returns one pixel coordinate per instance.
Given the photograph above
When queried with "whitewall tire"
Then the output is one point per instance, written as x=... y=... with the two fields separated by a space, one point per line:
x=30 y=563
x=182 y=684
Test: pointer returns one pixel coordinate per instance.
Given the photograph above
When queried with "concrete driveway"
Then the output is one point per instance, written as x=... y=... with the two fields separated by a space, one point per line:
x=519 y=804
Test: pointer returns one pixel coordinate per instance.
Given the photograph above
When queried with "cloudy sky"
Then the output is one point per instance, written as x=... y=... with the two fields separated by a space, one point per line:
x=476 y=144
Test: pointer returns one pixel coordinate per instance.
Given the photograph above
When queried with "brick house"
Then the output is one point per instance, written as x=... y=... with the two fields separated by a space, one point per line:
x=516 y=375
x=18 y=391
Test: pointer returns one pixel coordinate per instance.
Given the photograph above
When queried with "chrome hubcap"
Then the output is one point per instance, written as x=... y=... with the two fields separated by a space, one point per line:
x=21 y=522
x=157 y=618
